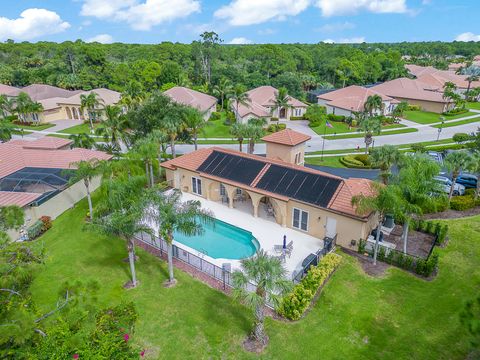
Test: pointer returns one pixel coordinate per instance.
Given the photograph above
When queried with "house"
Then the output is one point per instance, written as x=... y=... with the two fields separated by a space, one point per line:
x=34 y=176
x=204 y=103
x=415 y=92
x=261 y=104
x=300 y=198
x=417 y=70
x=351 y=100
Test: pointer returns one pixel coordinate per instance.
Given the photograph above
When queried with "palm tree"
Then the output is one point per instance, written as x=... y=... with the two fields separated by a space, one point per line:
x=92 y=103
x=239 y=132
x=34 y=108
x=146 y=150
x=172 y=126
x=269 y=276
x=373 y=103
x=113 y=127
x=6 y=130
x=384 y=200
x=170 y=215
x=194 y=122
x=399 y=110
x=254 y=132
x=384 y=157
x=22 y=106
x=85 y=170
x=223 y=90
x=474 y=167
x=82 y=140
x=239 y=97
x=11 y=217
x=370 y=126
x=7 y=106
x=456 y=162
x=133 y=95
x=473 y=74
x=281 y=101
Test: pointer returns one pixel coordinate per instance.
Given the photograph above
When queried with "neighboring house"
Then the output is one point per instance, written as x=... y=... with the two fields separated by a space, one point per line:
x=9 y=91
x=204 y=103
x=415 y=92
x=32 y=176
x=417 y=70
x=300 y=198
x=351 y=100
x=262 y=105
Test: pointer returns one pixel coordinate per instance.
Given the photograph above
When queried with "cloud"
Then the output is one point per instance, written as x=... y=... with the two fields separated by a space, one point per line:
x=267 y=31
x=32 y=23
x=352 y=40
x=345 y=7
x=240 y=41
x=101 y=38
x=248 y=12
x=330 y=28
x=467 y=36
x=140 y=15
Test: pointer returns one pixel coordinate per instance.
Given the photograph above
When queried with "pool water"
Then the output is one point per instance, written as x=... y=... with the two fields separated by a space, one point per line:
x=221 y=240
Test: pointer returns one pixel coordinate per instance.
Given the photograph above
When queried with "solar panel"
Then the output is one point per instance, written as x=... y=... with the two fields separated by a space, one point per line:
x=232 y=167
x=300 y=185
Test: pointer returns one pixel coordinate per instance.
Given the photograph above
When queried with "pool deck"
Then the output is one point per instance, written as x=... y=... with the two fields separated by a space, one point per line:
x=264 y=229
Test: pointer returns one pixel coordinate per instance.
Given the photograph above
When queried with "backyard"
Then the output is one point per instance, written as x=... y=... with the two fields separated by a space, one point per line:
x=394 y=316
x=425 y=117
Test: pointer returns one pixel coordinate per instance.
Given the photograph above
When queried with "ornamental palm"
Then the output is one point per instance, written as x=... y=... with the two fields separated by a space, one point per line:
x=82 y=140
x=239 y=132
x=172 y=125
x=254 y=131
x=146 y=150
x=6 y=129
x=170 y=215
x=370 y=126
x=133 y=95
x=93 y=104
x=239 y=97
x=385 y=200
x=269 y=276
x=33 y=109
x=7 y=106
x=113 y=127
x=282 y=100
x=373 y=103
x=85 y=170
x=384 y=157
x=223 y=90
x=456 y=162
x=22 y=104
x=474 y=166
x=194 y=122
x=11 y=217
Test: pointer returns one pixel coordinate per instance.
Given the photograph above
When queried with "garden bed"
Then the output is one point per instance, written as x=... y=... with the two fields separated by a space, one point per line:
x=419 y=243
x=453 y=214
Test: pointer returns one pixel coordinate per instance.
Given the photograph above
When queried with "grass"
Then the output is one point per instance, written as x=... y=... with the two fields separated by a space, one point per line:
x=473 y=105
x=395 y=316
x=216 y=129
x=332 y=161
x=97 y=139
x=78 y=129
x=425 y=117
x=19 y=132
x=361 y=135
x=34 y=127
x=457 y=123
x=341 y=127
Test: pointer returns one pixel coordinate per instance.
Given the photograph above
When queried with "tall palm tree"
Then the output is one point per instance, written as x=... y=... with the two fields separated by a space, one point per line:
x=146 y=150
x=93 y=104
x=385 y=157
x=34 y=108
x=239 y=132
x=194 y=122
x=239 y=97
x=373 y=103
x=370 y=126
x=82 y=140
x=384 y=200
x=85 y=170
x=269 y=276
x=22 y=106
x=281 y=101
x=223 y=90
x=173 y=125
x=133 y=95
x=474 y=167
x=473 y=74
x=170 y=215
x=399 y=110
x=456 y=162
x=113 y=128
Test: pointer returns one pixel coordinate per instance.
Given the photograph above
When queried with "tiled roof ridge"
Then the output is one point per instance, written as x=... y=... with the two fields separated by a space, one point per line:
x=260 y=175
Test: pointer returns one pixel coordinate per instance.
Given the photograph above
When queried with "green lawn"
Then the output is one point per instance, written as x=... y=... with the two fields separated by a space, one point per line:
x=473 y=105
x=19 y=132
x=332 y=161
x=458 y=123
x=97 y=139
x=361 y=135
x=37 y=127
x=396 y=316
x=425 y=117
x=78 y=129
x=215 y=129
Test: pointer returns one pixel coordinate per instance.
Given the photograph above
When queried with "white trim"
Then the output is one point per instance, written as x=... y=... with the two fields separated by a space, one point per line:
x=300 y=219
x=197 y=181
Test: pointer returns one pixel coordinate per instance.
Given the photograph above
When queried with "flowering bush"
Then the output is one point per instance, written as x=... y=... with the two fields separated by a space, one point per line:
x=47 y=223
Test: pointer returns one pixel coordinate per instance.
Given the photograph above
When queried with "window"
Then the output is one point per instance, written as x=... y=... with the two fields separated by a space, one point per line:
x=196 y=186
x=298 y=158
x=298 y=112
x=239 y=191
x=223 y=192
x=300 y=219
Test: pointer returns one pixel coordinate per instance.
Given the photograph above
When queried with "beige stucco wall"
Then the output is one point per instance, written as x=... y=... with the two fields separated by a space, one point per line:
x=436 y=107
x=285 y=152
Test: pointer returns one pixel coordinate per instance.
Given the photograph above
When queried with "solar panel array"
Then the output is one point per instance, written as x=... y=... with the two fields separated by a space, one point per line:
x=300 y=185
x=232 y=167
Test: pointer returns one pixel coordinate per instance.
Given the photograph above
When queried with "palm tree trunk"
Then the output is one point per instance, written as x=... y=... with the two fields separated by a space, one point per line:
x=452 y=188
x=259 y=329
x=152 y=182
x=89 y=199
x=195 y=139
x=171 y=278
x=406 y=225
x=131 y=260
x=377 y=240
x=251 y=146
x=172 y=145
x=240 y=143
x=91 y=122
x=146 y=172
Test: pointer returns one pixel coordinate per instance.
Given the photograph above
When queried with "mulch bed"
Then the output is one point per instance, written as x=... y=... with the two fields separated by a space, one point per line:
x=418 y=244
x=367 y=263
x=452 y=214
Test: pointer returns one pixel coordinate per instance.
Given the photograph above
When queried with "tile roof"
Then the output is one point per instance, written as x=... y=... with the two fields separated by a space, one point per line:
x=262 y=99
x=287 y=137
x=21 y=199
x=109 y=97
x=410 y=89
x=9 y=90
x=341 y=199
x=43 y=91
x=190 y=97
x=45 y=143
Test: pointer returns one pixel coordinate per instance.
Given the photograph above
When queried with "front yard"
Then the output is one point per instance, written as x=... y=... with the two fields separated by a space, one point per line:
x=394 y=316
x=474 y=105
x=425 y=117
x=38 y=127
x=79 y=129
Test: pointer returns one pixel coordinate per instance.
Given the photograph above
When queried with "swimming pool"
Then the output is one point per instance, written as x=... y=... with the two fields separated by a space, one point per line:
x=221 y=240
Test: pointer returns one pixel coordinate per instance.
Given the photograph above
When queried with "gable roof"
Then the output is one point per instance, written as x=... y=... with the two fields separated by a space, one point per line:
x=262 y=99
x=44 y=143
x=287 y=137
x=193 y=98
x=417 y=70
x=9 y=90
x=275 y=178
x=410 y=89
x=43 y=91
x=109 y=97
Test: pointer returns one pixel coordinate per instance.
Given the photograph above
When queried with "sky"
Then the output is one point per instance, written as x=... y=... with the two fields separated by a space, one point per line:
x=240 y=21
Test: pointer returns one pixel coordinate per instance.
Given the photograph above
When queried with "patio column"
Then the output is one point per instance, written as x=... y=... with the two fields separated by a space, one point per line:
x=255 y=209
x=230 y=202
x=284 y=220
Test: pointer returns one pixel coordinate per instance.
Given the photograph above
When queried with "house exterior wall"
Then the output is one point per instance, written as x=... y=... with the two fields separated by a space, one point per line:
x=436 y=107
x=286 y=153
x=209 y=112
x=338 y=111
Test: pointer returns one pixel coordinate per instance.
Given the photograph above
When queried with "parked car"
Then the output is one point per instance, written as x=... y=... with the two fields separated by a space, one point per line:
x=467 y=180
x=436 y=156
x=445 y=184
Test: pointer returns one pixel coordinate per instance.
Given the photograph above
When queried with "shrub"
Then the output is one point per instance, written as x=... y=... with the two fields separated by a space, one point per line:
x=47 y=223
x=420 y=148
x=442 y=233
x=353 y=123
x=313 y=124
x=463 y=202
x=360 y=161
x=455 y=111
x=338 y=118
x=274 y=118
x=35 y=230
x=293 y=118
x=414 y=107
x=297 y=301
x=361 y=246
x=215 y=116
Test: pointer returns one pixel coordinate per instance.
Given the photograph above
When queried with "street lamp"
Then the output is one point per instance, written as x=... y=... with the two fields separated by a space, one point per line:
x=440 y=128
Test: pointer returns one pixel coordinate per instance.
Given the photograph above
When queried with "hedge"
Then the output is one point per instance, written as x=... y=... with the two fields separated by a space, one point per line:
x=414 y=107
x=359 y=161
x=35 y=230
x=455 y=111
x=339 y=118
x=463 y=202
x=293 y=118
x=298 y=300
x=276 y=127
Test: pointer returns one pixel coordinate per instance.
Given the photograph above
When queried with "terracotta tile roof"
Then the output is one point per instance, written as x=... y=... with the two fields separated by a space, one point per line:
x=190 y=97
x=417 y=70
x=43 y=91
x=341 y=199
x=411 y=89
x=108 y=97
x=45 y=143
x=21 y=199
x=287 y=137
x=9 y=90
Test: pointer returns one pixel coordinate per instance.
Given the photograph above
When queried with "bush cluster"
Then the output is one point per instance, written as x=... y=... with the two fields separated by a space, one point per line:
x=35 y=230
x=359 y=161
x=464 y=202
x=293 y=118
x=431 y=227
x=47 y=222
x=274 y=118
x=338 y=118
x=276 y=127
x=414 y=107
x=455 y=111
x=297 y=301
x=215 y=116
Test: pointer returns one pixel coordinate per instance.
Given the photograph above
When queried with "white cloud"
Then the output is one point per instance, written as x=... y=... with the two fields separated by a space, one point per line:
x=352 y=40
x=267 y=31
x=240 y=41
x=467 y=36
x=140 y=15
x=101 y=38
x=330 y=28
x=345 y=7
x=32 y=23
x=248 y=12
